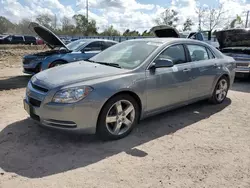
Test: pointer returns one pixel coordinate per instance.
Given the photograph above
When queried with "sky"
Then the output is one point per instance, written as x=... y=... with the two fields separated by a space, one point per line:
x=122 y=14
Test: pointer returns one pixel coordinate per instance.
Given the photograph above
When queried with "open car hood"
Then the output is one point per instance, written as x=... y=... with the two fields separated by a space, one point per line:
x=165 y=31
x=238 y=37
x=48 y=36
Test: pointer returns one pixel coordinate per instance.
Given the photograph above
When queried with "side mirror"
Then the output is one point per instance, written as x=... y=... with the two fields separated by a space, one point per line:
x=161 y=63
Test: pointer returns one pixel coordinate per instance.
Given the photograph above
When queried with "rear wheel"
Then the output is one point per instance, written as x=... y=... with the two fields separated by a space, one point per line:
x=220 y=90
x=117 y=118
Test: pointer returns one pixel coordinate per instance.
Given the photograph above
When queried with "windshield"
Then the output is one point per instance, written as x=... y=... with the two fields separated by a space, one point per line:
x=76 y=45
x=128 y=54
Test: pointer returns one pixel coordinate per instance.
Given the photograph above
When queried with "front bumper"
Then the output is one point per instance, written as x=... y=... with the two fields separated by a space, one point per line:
x=77 y=118
x=32 y=67
x=242 y=72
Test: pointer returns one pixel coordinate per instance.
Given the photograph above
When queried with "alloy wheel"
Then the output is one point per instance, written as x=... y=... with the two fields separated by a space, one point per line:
x=221 y=90
x=120 y=117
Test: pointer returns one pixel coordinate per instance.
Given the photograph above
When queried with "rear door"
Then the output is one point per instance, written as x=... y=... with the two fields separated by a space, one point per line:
x=169 y=86
x=204 y=70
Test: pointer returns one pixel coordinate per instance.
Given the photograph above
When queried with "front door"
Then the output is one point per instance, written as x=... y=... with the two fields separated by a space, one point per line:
x=169 y=86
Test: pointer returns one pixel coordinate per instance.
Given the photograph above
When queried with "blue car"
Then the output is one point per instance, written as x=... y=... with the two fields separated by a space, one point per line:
x=60 y=52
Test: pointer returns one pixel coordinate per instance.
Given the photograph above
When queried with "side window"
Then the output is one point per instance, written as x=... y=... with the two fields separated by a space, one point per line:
x=94 y=46
x=197 y=53
x=17 y=38
x=175 y=53
x=210 y=54
x=9 y=38
x=107 y=45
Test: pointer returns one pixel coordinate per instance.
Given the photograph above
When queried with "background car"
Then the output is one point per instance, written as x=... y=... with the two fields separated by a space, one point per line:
x=61 y=53
x=236 y=43
x=126 y=83
x=18 y=39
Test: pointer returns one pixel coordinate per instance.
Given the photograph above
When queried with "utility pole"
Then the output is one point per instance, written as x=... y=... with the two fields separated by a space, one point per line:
x=247 y=19
x=87 y=10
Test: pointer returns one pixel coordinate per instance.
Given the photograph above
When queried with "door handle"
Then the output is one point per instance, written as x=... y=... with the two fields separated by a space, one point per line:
x=186 y=70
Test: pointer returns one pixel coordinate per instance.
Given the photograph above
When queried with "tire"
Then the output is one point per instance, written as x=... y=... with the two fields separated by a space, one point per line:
x=220 y=91
x=120 y=124
x=57 y=63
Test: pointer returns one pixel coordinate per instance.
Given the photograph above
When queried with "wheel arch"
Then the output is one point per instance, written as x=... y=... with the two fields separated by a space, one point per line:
x=218 y=78
x=57 y=60
x=124 y=92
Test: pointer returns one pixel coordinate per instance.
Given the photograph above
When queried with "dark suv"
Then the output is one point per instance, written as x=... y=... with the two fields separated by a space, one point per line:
x=17 y=39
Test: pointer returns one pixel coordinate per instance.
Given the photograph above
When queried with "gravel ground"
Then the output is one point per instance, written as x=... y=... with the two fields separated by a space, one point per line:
x=200 y=145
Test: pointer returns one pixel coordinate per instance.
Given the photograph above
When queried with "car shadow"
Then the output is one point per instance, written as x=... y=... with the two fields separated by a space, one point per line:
x=34 y=152
x=242 y=85
x=16 y=82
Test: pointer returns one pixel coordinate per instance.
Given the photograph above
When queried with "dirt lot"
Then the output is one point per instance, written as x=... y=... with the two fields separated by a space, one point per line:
x=197 y=146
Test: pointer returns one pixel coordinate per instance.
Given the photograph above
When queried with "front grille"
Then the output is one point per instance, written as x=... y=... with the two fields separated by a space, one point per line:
x=242 y=64
x=34 y=102
x=39 y=88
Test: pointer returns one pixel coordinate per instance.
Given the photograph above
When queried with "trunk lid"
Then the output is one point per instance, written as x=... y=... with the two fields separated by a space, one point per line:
x=165 y=31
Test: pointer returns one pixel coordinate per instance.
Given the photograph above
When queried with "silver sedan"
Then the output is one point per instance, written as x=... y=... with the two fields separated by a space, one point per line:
x=128 y=82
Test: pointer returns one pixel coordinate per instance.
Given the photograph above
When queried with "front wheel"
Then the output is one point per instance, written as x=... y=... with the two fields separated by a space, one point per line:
x=56 y=63
x=117 y=118
x=220 y=90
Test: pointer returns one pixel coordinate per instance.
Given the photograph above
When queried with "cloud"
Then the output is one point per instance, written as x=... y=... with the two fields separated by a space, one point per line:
x=122 y=14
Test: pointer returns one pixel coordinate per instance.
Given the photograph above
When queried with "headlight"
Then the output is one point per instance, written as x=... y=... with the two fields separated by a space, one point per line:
x=71 y=95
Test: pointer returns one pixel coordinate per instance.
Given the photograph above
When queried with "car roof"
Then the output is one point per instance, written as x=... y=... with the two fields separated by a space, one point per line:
x=169 y=40
x=92 y=40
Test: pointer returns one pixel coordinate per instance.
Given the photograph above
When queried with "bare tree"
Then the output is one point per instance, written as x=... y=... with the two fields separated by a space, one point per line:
x=168 y=17
x=200 y=11
x=188 y=24
x=45 y=20
x=23 y=27
x=213 y=17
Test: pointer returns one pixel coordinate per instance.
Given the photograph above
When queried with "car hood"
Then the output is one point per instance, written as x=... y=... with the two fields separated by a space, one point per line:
x=233 y=38
x=165 y=31
x=48 y=36
x=73 y=73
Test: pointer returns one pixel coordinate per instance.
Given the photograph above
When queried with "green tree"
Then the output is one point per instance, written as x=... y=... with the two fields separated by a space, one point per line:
x=147 y=33
x=131 y=33
x=168 y=17
x=188 y=24
x=110 y=31
x=83 y=26
x=5 y=25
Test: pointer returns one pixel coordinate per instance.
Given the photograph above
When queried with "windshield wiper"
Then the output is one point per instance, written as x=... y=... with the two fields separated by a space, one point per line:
x=104 y=63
